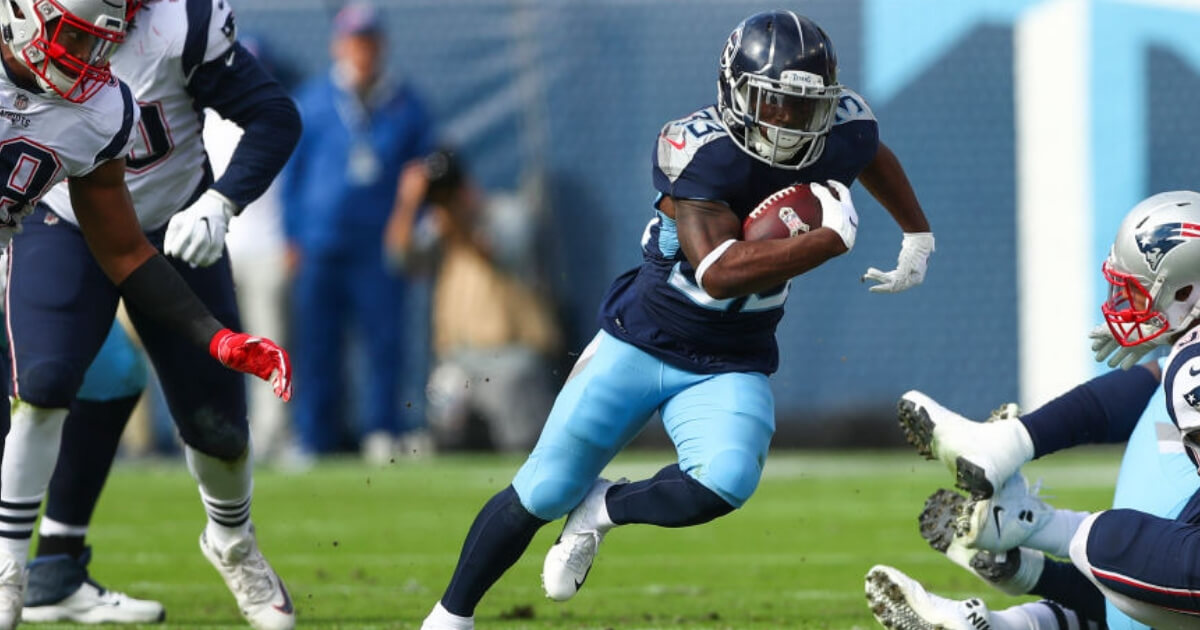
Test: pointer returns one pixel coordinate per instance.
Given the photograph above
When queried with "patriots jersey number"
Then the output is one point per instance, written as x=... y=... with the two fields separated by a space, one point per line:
x=765 y=301
x=29 y=170
x=154 y=141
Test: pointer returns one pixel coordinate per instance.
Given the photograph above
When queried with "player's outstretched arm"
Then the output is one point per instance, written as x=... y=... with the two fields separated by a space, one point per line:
x=709 y=234
x=149 y=283
x=240 y=89
x=885 y=179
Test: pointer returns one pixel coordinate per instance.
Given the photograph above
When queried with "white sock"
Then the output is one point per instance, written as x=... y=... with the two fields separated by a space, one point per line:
x=225 y=488
x=441 y=617
x=1055 y=537
x=1042 y=615
x=30 y=454
x=51 y=527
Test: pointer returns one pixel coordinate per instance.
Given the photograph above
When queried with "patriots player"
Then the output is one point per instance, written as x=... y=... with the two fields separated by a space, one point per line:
x=691 y=332
x=1139 y=555
x=178 y=57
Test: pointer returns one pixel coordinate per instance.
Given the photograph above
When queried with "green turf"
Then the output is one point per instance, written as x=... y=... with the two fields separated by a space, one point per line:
x=368 y=547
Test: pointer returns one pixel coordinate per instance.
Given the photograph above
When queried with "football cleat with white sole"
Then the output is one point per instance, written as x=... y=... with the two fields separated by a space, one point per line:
x=1006 y=520
x=982 y=455
x=441 y=619
x=901 y=603
x=261 y=595
x=570 y=558
x=12 y=590
x=60 y=590
x=1012 y=572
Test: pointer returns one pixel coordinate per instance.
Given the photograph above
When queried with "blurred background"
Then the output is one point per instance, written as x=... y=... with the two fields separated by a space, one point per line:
x=1027 y=127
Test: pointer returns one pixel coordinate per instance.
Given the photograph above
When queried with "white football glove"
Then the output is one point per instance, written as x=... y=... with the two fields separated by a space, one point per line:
x=837 y=213
x=196 y=234
x=1103 y=344
x=915 y=249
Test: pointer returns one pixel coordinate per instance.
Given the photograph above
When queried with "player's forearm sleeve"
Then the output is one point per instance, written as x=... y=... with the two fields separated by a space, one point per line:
x=243 y=92
x=156 y=290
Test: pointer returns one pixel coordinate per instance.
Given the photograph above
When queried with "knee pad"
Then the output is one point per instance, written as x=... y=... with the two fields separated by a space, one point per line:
x=49 y=383
x=732 y=474
x=213 y=433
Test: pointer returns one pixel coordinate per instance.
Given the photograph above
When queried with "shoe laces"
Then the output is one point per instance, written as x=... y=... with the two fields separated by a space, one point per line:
x=583 y=550
x=250 y=573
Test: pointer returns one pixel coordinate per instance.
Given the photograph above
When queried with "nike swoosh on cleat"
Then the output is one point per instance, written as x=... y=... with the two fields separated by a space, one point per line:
x=286 y=607
x=996 y=510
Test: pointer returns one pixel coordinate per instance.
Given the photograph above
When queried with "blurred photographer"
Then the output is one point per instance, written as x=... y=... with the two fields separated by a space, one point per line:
x=494 y=327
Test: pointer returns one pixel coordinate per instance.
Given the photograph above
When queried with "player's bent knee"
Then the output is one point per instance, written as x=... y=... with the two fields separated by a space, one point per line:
x=50 y=384
x=214 y=433
x=550 y=498
x=733 y=474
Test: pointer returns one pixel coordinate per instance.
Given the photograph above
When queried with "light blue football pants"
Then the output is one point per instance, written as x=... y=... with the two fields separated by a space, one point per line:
x=721 y=425
x=1156 y=477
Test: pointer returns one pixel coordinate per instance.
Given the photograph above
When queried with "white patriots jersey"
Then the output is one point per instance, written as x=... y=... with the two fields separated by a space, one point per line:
x=45 y=139
x=166 y=163
x=1181 y=383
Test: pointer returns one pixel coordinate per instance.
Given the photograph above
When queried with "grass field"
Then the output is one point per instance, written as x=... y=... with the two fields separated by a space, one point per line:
x=365 y=547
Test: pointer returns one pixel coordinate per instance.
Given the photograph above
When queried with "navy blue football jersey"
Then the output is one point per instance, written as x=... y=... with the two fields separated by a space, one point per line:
x=658 y=306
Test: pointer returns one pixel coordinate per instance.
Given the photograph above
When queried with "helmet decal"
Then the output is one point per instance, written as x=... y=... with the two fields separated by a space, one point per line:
x=1159 y=239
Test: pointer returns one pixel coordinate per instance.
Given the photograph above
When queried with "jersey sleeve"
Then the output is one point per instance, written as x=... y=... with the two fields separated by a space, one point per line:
x=118 y=129
x=694 y=158
x=1185 y=390
x=1182 y=385
x=211 y=32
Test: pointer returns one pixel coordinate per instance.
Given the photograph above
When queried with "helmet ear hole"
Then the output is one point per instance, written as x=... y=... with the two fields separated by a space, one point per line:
x=1183 y=293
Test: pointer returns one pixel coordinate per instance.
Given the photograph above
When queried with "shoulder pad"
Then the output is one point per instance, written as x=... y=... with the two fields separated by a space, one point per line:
x=680 y=140
x=851 y=107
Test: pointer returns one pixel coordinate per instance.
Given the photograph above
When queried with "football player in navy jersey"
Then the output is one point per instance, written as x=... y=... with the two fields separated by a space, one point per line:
x=176 y=59
x=690 y=333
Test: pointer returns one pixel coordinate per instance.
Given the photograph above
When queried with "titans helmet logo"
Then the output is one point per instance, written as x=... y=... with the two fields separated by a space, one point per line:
x=1156 y=241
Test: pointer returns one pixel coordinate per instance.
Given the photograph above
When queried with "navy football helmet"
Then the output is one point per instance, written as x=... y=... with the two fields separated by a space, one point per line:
x=777 y=90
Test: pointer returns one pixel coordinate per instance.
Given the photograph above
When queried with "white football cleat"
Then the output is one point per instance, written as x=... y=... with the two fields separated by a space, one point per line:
x=261 y=595
x=1013 y=572
x=441 y=619
x=570 y=559
x=981 y=455
x=1006 y=520
x=12 y=590
x=92 y=603
x=59 y=589
x=901 y=603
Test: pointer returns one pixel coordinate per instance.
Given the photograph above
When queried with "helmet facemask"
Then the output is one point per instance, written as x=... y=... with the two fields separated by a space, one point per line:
x=784 y=122
x=68 y=55
x=1135 y=314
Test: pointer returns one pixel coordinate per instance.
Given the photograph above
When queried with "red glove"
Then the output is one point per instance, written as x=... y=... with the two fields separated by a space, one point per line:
x=254 y=355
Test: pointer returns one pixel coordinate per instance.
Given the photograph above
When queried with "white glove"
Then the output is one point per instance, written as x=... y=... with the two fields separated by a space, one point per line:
x=915 y=249
x=196 y=234
x=837 y=213
x=1103 y=344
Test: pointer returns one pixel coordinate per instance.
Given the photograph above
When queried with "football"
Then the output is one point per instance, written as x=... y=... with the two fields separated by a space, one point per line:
x=783 y=214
